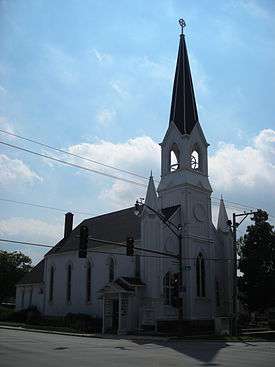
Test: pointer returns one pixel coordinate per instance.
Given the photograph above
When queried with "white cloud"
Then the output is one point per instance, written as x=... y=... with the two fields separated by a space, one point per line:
x=249 y=168
x=14 y=170
x=116 y=85
x=6 y=125
x=138 y=155
x=30 y=230
x=102 y=57
x=3 y=90
x=105 y=117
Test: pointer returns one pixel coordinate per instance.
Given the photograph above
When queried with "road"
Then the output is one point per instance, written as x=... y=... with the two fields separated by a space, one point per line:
x=31 y=349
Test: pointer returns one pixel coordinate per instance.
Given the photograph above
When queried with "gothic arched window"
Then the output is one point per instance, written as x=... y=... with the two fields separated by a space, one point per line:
x=174 y=158
x=217 y=290
x=88 y=282
x=194 y=162
x=111 y=270
x=200 y=272
x=51 y=284
x=69 y=283
x=23 y=299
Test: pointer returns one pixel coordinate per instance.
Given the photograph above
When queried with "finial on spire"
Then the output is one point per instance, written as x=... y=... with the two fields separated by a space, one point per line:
x=182 y=24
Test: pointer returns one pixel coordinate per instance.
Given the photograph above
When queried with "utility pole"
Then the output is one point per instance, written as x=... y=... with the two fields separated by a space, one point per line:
x=234 y=225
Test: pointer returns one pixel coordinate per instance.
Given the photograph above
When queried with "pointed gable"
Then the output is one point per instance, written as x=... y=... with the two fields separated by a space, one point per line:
x=151 y=194
x=222 y=218
x=183 y=107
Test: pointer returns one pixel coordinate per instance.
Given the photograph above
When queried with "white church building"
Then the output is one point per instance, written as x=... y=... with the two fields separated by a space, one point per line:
x=144 y=292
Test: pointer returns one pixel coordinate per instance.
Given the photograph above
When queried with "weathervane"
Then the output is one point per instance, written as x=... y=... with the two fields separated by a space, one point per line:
x=182 y=24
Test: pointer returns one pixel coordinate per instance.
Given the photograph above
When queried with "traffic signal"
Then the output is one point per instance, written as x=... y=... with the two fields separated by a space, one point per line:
x=83 y=242
x=130 y=246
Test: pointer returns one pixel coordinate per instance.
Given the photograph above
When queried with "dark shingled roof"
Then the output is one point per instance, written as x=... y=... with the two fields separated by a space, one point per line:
x=34 y=276
x=115 y=226
x=183 y=106
x=168 y=212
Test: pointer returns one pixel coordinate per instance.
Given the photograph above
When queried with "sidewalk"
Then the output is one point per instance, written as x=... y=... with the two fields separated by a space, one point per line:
x=86 y=335
x=253 y=336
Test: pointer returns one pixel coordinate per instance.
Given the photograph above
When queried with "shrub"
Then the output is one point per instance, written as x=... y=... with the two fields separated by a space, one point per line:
x=5 y=314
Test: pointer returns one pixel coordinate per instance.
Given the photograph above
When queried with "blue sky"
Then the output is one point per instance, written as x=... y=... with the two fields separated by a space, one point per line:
x=95 y=77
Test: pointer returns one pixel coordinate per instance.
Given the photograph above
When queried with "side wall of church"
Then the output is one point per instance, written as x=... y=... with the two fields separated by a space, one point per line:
x=123 y=266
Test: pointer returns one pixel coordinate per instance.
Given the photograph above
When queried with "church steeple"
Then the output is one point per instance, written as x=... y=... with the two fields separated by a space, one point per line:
x=183 y=107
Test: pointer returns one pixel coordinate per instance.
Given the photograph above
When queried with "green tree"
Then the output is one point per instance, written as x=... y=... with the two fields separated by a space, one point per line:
x=257 y=263
x=13 y=266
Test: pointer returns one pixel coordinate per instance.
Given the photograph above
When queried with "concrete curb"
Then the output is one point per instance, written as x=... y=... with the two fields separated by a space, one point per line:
x=129 y=337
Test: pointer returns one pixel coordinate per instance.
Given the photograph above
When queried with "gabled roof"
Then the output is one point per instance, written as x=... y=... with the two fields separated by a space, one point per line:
x=183 y=107
x=35 y=276
x=114 y=226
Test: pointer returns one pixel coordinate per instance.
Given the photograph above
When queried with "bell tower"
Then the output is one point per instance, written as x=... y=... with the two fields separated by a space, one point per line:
x=184 y=147
x=184 y=184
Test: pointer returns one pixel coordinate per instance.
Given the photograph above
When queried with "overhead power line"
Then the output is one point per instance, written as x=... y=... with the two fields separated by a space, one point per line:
x=72 y=164
x=102 y=164
x=42 y=206
x=108 y=252
x=81 y=212
x=25 y=243
x=73 y=154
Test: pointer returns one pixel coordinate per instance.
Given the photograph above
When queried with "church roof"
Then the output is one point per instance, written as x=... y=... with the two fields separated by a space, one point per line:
x=114 y=226
x=183 y=107
x=168 y=212
x=35 y=276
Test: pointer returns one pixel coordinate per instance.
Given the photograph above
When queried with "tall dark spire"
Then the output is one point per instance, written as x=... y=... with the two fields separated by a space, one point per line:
x=183 y=106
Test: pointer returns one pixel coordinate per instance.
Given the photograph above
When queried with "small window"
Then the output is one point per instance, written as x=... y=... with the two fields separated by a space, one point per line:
x=111 y=270
x=200 y=270
x=88 y=282
x=195 y=160
x=51 y=284
x=69 y=283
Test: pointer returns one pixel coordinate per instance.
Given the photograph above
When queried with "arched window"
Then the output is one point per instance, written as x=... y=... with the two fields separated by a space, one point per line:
x=30 y=299
x=51 y=284
x=170 y=289
x=69 y=283
x=111 y=270
x=195 y=163
x=174 y=158
x=218 y=301
x=88 y=282
x=200 y=270
x=23 y=299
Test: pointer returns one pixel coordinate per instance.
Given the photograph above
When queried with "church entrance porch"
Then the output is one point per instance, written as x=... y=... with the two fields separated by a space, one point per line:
x=120 y=306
